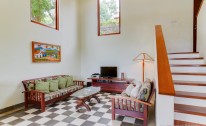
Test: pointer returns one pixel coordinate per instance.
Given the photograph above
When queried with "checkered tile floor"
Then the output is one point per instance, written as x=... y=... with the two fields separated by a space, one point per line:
x=63 y=113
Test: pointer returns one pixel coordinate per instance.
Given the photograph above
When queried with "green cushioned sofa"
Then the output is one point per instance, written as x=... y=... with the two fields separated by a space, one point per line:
x=45 y=94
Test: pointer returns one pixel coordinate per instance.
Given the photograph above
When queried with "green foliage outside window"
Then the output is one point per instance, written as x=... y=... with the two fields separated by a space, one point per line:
x=44 y=12
x=109 y=16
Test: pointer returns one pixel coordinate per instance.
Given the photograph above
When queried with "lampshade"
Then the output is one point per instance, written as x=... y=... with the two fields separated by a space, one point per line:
x=143 y=56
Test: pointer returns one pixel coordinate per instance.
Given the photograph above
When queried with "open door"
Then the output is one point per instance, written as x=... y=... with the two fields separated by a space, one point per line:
x=197 y=7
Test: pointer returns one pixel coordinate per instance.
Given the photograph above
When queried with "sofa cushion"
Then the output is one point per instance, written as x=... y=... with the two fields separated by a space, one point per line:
x=70 y=89
x=30 y=86
x=62 y=92
x=69 y=81
x=62 y=82
x=53 y=85
x=52 y=95
x=144 y=92
x=135 y=90
x=42 y=86
x=38 y=80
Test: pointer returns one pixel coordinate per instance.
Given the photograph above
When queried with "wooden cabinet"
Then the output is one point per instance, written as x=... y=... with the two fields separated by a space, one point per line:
x=116 y=85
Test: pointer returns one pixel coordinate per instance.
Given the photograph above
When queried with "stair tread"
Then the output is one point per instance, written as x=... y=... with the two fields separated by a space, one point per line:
x=184 y=53
x=187 y=65
x=182 y=123
x=196 y=58
x=190 y=95
x=189 y=109
x=188 y=73
x=190 y=83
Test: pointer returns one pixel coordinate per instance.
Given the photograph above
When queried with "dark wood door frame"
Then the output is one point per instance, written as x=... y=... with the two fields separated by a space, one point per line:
x=197 y=7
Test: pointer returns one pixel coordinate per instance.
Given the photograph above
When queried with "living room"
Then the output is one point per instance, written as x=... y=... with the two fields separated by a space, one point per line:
x=83 y=51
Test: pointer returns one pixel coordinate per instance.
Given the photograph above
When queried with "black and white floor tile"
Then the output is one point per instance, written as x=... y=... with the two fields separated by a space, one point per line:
x=63 y=113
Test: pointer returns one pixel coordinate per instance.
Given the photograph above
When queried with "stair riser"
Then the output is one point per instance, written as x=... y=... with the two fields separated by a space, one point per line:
x=190 y=101
x=190 y=118
x=186 y=88
x=199 y=61
x=189 y=69
x=184 y=55
x=198 y=89
x=189 y=78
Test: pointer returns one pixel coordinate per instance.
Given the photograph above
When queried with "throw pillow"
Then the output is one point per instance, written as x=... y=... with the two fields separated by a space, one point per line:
x=42 y=86
x=147 y=80
x=30 y=86
x=124 y=94
x=129 y=89
x=135 y=90
x=69 y=81
x=53 y=85
x=38 y=80
x=62 y=82
x=144 y=91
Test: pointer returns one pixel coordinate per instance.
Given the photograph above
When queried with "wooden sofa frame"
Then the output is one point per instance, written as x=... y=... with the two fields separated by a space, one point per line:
x=37 y=97
x=128 y=111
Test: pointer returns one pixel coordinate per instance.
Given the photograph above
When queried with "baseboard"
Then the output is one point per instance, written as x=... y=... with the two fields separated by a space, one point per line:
x=11 y=108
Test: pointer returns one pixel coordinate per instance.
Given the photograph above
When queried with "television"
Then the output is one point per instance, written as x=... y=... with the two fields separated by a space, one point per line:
x=109 y=72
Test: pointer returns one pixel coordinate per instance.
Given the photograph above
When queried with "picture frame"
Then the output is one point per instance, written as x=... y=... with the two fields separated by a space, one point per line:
x=44 y=52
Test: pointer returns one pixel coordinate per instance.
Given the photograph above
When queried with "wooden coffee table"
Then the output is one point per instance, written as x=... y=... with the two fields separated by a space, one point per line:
x=86 y=94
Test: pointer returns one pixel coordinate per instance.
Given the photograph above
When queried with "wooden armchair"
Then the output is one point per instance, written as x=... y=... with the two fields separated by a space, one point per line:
x=133 y=107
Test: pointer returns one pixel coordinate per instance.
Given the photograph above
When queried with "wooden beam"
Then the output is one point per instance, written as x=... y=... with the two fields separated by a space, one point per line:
x=165 y=82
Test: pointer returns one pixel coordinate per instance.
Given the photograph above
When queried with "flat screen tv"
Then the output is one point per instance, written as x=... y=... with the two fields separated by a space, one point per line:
x=109 y=72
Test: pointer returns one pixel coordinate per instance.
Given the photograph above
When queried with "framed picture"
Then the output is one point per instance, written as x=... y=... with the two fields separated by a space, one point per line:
x=43 y=52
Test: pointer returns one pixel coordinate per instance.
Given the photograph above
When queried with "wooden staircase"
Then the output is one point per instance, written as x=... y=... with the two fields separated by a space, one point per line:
x=189 y=77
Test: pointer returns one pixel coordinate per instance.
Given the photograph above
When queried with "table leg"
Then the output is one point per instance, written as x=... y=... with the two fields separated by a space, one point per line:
x=80 y=102
x=98 y=100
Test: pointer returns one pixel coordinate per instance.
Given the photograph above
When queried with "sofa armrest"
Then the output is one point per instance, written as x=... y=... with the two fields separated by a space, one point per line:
x=79 y=83
x=34 y=95
x=129 y=99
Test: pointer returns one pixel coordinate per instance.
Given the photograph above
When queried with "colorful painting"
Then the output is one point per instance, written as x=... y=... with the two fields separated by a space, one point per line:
x=42 y=52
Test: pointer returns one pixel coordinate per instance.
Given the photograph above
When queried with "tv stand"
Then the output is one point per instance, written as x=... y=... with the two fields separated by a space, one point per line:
x=111 y=84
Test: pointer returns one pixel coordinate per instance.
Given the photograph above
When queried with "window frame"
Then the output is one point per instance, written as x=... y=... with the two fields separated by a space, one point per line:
x=56 y=14
x=98 y=16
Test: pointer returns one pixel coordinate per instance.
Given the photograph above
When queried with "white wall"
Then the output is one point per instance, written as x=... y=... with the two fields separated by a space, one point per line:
x=138 y=20
x=16 y=34
x=201 y=31
x=137 y=34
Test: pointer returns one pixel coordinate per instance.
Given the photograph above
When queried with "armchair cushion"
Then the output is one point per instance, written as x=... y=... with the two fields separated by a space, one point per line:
x=135 y=90
x=124 y=93
x=129 y=89
x=144 y=92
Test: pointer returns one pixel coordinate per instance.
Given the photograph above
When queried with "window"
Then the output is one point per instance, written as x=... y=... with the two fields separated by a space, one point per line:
x=45 y=12
x=108 y=17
